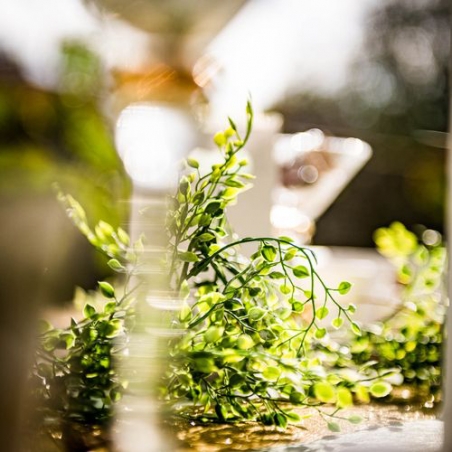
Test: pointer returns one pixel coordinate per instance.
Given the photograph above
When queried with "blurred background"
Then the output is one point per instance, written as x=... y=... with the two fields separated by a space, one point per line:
x=375 y=70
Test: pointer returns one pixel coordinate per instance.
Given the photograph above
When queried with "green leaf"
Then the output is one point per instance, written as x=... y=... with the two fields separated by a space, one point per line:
x=185 y=312
x=114 y=264
x=110 y=307
x=334 y=427
x=123 y=236
x=113 y=328
x=344 y=398
x=293 y=417
x=296 y=397
x=320 y=333
x=256 y=314
x=107 y=289
x=253 y=291
x=285 y=289
x=380 y=389
x=245 y=342
x=355 y=419
x=205 y=219
x=205 y=365
x=69 y=339
x=219 y=139
x=298 y=306
x=188 y=256
x=300 y=271
x=356 y=328
x=337 y=322
x=230 y=193
x=325 y=392
x=213 y=334
x=89 y=311
x=105 y=228
x=362 y=393
x=322 y=312
x=205 y=237
x=198 y=198
x=184 y=290
x=284 y=313
x=344 y=287
x=192 y=163
x=234 y=183
x=286 y=239
x=276 y=275
x=271 y=373
x=232 y=124
x=280 y=420
x=268 y=252
x=212 y=207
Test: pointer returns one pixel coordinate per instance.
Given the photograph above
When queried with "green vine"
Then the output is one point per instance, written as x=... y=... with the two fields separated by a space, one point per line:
x=411 y=339
x=252 y=325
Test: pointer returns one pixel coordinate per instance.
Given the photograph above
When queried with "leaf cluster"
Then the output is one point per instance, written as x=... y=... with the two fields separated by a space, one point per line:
x=254 y=327
x=410 y=340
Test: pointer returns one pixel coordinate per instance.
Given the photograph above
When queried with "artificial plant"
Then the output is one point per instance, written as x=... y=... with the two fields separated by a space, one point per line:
x=411 y=338
x=251 y=324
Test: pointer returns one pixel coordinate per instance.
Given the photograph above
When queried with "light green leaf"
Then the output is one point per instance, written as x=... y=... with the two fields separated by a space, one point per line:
x=344 y=287
x=245 y=342
x=230 y=193
x=188 y=256
x=276 y=275
x=213 y=334
x=107 y=289
x=355 y=419
x=123 y=236
x=356 y=328
x=256 y=314
x=219 y=139
x=89 y=311
x=185 y=312
x=114 y=264
x=271 y=373
x=344 y=398
x=322 y=312
x=193 y=163
x=110 y=307
x=380 y=389
x=205 y=237
x=285 y=289
x=325 y=392
x=320 y=333
x=334 y=427
x=114 y=327
x=268 y=252
x=300 y=271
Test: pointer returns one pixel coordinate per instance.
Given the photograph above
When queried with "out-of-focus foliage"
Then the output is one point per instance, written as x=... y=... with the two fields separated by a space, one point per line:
x=411 y=339
x=60 y=137
x=56 y=137
x=247 y=352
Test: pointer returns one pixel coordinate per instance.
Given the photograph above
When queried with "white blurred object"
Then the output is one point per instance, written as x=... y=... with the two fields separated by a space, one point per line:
x=151 y=140
x=251 y=215
x=314 y=169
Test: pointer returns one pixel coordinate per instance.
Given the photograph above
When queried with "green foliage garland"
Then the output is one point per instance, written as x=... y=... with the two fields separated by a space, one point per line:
x=411 y=339
x=248 y=352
